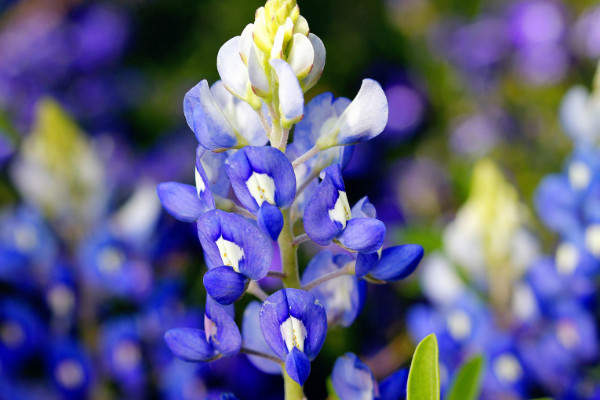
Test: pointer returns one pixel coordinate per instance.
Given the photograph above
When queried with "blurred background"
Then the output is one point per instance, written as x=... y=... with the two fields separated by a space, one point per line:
x=489 y=160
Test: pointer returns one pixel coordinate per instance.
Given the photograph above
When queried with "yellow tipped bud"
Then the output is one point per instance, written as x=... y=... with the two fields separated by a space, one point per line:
x=301 y=26
x=260 y=33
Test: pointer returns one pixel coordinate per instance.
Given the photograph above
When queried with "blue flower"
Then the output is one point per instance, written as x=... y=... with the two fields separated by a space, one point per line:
x=238 y=251
x=344 y=296
x=215 y=117
x=352 y=379
x=263 y=180
x=220 y=337
x=22 y=335
x=186 y=202
x=294 y=325
x=327 y=216
x=71 y=369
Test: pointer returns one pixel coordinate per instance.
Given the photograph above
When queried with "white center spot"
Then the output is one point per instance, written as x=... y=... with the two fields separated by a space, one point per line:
x=231 y=253
x=61 y=300
x=341 y=210
x=262 y=188
x=338 y=292
x=69 y=374
x=110 y=260
x=26 y=237
x=210 y=329
x=459 y=324
x=567 y=334
x=567 y=257
x=127 y=355
x=200 y=185
x=579 y=175
x=294 y=333
x=12 y=334
x=507 y=368
x=592 y=239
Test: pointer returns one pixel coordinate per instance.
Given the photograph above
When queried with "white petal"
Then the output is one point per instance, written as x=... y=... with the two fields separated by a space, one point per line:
x=301 y=55
x=258 y=77
x=301 y=26
x=294 y=333
x=246 y=42
x=318 y=62
x=365 y=118
x=232 y=69
x=291 y=99
x=231 y=253
x=277 y=49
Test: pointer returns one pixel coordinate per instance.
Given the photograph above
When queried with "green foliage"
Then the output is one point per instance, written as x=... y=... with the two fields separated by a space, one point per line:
x=467 y=383
x=424 y=375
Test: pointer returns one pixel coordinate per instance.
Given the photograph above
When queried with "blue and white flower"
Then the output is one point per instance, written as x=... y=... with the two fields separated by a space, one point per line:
x=219 y=338
x=238 y=252
x=294 y=325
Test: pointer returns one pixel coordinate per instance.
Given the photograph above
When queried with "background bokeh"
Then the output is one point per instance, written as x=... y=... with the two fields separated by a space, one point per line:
x=92 y=271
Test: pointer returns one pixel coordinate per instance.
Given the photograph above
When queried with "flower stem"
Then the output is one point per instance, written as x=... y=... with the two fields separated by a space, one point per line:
x=347 y=269
x=305 y=156
x=289 y=259
x=293 y=391
x=255 y=289
x=261 y=354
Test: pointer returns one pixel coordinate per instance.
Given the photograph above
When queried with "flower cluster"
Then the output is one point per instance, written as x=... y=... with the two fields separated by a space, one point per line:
x=285 y=194
x=542 y=333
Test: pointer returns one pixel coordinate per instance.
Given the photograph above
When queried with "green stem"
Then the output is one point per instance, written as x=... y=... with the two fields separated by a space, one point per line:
x=293 y=391
x=289 y=259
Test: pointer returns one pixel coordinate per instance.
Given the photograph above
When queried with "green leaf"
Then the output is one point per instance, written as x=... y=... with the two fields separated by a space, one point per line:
x=424 y=375
x=467 y=383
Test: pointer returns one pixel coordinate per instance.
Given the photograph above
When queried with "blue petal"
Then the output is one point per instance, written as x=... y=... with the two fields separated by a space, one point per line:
x=291 y=98
x=205 y=118
x=352 y=379
x=225 y=285
x=189 y=344
x=556 y=204
x=228 y=339
x=257 y=247
x=270 y=220
x=317 y=222
x=364 y=263
x=297 y=366
x=181 y=201
x=214 y=167
x=253 y=339
x=397 y=262
x=203 y=185
x=394 y=386
x=307 y=131
x=364 y=209
x=262 y=160
x=301 y=305
x=342 y=296
x=364 y=235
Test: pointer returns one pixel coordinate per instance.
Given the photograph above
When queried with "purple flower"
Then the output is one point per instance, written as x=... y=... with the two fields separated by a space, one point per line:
x=220 y=337
x=238 y=251
x=294 y=325
x=327 y=216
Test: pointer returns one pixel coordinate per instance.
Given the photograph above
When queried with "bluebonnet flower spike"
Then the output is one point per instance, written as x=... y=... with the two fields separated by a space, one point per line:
x=294 y=325
x=239 y=251
x=220 y=336
x=328 y=215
